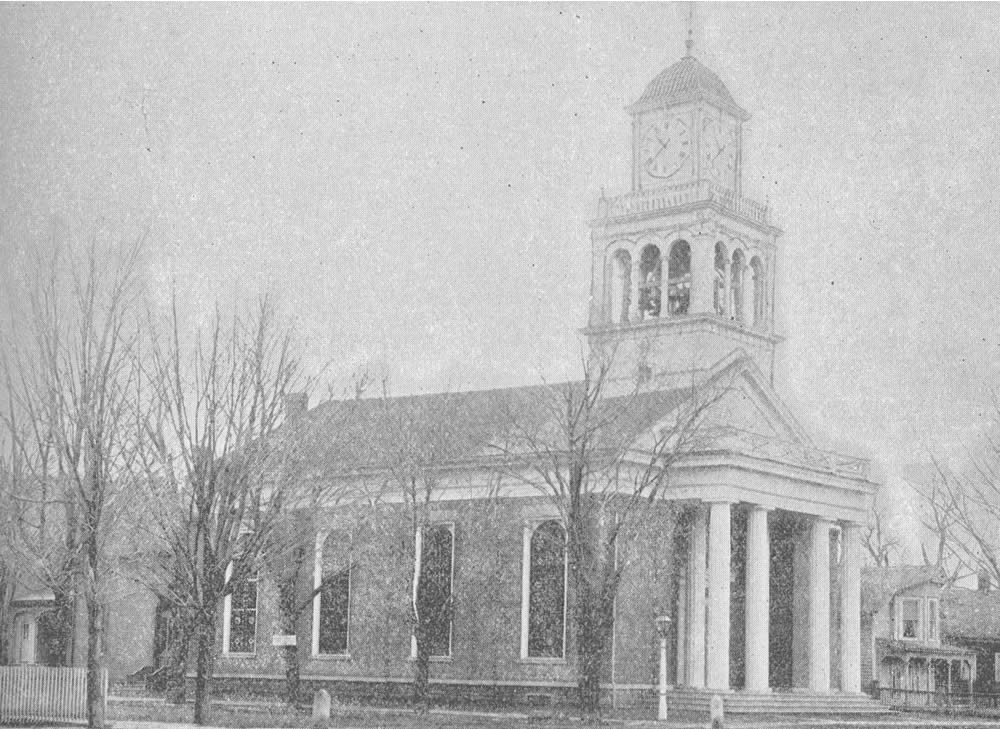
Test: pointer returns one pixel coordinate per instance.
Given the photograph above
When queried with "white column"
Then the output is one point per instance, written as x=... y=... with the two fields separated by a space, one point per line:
x=697 y=553
x=758 y=600
x=850 y=609
x=717 y=638
x=681 y=653
x=702 y=274
x=633 y=304
x=819 y=606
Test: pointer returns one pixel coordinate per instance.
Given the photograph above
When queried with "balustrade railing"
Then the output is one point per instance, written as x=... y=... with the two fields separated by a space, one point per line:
x=762 y=446
x=687 y=193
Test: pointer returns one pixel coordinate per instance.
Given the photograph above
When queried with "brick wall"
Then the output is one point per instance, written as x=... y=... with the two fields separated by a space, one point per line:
x=485 y=658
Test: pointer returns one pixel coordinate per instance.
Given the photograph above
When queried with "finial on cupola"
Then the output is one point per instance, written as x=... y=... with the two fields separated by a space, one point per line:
x=689 y=43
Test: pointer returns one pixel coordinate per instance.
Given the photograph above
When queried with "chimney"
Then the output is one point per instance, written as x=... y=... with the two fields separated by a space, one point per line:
x=296 y=405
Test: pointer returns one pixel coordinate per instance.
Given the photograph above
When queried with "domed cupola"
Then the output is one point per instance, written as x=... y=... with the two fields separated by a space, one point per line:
x=687 y=81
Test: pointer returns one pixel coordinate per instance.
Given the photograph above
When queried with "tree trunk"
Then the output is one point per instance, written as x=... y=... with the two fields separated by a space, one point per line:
x=95 y=677
x=422 y=670
x=204 y=662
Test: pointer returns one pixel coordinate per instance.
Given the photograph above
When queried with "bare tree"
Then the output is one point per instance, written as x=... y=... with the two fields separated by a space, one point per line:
x=222 y=471
x=425 y=434
x=70 y=425
x=962 y=512
x=881 y=545
x=601 y=460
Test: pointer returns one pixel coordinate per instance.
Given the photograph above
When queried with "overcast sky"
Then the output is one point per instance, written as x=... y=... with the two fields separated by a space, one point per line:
x=414 y=181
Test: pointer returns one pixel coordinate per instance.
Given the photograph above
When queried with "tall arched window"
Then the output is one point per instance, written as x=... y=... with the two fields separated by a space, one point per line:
x=547 y=591
x=242 y=608
x=650 y=271
x=334 y=598
x=434 y=588
x=719 y=284
x=759 y=291
x=620 y=290
x=736 y=286
x=679 y=278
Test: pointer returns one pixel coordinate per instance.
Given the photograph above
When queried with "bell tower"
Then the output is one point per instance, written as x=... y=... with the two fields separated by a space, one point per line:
x=683 y=266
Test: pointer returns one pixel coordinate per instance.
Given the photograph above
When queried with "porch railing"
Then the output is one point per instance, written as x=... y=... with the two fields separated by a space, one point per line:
x=42 y=693
x=954 y=701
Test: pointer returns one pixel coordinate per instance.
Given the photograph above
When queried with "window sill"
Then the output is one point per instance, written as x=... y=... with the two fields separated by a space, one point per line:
x=331 y=657
x=433 y=659
x=543 y=660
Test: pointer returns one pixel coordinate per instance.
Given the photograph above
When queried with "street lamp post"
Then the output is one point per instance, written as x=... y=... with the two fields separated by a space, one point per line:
x=662 y=627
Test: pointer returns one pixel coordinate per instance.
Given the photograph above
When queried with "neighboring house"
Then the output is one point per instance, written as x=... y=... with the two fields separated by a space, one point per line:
x=903 y=634
x=35 y=636
x=971 y=619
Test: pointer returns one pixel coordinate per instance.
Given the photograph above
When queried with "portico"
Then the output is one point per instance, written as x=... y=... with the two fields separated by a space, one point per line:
x=755 y=598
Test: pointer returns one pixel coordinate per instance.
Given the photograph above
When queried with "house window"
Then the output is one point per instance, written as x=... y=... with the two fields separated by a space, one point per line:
x=546 y=618
x=333 y=603
x=243 y=615
x=436 y=545
x=909 y=619
x=932 y=620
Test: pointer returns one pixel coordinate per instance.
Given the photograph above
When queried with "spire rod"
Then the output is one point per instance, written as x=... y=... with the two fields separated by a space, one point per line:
x=689 y=43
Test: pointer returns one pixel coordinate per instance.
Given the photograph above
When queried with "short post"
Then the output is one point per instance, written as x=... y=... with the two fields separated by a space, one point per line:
x=321 y=710
x=662 y=628
x=718 y=713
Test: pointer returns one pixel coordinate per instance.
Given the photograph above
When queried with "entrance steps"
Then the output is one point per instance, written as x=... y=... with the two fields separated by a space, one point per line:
x=777 y=702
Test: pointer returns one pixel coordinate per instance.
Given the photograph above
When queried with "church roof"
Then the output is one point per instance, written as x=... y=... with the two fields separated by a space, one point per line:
x=447 y=429
x=687 y=80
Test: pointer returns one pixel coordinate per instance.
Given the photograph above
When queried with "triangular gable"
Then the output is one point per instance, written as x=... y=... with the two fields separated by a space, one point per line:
x=740 y=397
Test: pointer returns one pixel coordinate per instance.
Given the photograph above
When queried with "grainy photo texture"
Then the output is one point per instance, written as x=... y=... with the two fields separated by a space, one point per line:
x=499 y=365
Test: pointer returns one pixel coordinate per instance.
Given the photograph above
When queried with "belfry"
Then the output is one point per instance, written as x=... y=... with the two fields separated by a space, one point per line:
x=683 y=286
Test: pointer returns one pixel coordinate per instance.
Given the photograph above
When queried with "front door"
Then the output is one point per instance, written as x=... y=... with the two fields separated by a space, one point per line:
x=26 y=632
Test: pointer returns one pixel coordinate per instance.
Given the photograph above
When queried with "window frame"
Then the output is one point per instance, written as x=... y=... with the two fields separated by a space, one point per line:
x=933 y=626
x=418 y=547
x=529 y=530
x=227 y=615
x=901 y=620
x=321 y=538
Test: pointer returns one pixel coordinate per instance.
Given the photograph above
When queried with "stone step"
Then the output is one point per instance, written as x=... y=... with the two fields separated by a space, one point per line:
x=777 y=703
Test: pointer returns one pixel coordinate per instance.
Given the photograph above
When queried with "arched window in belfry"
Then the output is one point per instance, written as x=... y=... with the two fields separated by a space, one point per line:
x=736 y=286
x=650 y=270
x=759 y=291
x=719 y=283
x=547 y=591
x=679 y=278
x=620 y=290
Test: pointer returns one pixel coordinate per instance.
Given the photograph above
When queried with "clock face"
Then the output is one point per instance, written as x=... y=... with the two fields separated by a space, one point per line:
x=718 y=151
x=666 y=148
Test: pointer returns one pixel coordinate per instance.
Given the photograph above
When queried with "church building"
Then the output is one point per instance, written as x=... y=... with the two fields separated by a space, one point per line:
x=752 y=550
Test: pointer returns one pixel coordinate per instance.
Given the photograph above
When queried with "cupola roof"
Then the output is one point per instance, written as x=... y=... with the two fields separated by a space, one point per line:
x=687 y=80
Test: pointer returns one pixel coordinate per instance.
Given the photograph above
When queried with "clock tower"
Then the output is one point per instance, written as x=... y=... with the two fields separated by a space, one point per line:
x=684 y=266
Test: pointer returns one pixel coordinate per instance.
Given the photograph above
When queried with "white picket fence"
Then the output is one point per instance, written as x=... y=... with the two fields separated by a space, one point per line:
x=42 y=693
